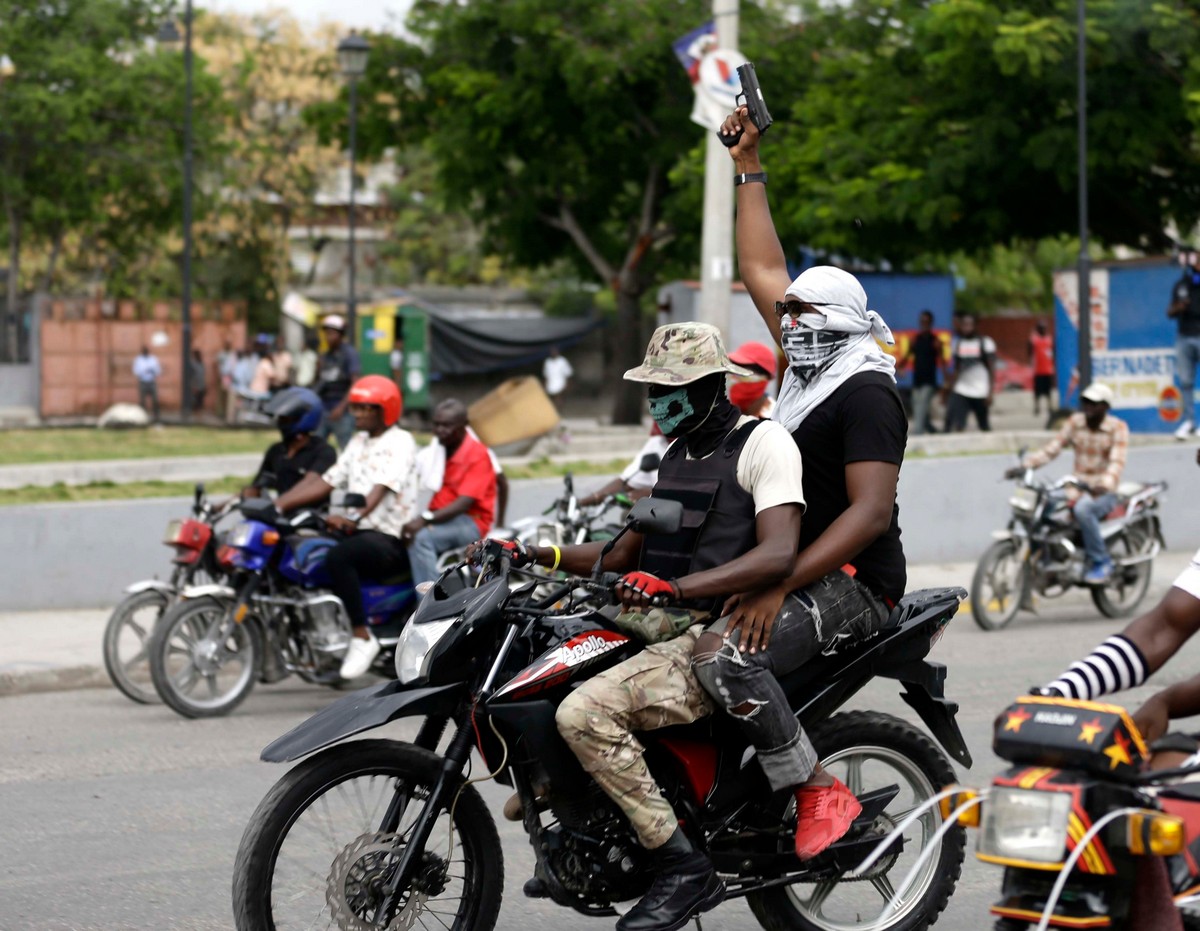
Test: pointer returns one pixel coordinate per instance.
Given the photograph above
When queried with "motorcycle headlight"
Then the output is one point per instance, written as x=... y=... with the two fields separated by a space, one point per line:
x=1024 y=825
x=1024 y=500
x=415 y=645
x=241 y=534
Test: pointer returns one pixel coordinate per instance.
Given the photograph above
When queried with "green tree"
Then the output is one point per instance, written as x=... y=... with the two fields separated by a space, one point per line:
x=555 y=125
x=90 y=137
x=938 y=127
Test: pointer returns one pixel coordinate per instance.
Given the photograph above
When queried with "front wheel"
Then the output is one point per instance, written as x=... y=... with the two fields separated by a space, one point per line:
x=202 y=662
x=322 y=843
x=127 y=641
x=998 y=585
x=868 y=751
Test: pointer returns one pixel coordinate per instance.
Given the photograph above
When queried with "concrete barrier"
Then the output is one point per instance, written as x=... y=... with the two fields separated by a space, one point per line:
x=83 y=555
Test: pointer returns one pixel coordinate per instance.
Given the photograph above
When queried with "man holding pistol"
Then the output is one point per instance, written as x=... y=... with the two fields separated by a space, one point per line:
x=739 y=480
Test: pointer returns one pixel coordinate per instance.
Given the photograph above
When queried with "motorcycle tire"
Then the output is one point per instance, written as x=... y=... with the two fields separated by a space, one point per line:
x=131 y=675
x=1113 y=601
x=870 y=735
x=989 y=612
x=173 y=659
x=322 y=780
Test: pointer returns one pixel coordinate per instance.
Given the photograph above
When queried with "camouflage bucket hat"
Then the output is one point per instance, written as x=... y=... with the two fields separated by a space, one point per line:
x=681 y=353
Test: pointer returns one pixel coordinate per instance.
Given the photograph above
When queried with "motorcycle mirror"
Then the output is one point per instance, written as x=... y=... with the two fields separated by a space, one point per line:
x=656 y=515
x=353 y=499
x=648 y=515
x=650 y=462
x=198 y=498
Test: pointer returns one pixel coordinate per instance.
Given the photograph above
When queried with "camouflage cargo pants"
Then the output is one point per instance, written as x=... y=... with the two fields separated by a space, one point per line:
x=654 y=689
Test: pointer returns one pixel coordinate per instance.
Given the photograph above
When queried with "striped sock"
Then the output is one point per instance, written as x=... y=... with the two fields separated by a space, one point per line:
x=1114 y=665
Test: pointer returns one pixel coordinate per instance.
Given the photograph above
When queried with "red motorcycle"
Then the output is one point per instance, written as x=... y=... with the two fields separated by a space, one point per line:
x=1088 y=836
x=198 y=558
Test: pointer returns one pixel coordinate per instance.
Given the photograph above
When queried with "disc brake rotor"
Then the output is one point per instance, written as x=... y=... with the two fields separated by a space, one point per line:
x=356 y=885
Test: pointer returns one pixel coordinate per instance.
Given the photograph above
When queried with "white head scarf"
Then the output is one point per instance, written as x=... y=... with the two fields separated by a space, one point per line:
x=842 y=305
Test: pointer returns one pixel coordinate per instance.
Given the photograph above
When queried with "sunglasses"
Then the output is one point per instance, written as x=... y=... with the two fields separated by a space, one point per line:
x=795 y=308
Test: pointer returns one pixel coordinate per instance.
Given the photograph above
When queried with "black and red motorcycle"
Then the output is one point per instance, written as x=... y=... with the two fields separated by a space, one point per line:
x=379 y=834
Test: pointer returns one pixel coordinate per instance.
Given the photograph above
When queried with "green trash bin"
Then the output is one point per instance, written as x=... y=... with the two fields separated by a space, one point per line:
x=404 y=327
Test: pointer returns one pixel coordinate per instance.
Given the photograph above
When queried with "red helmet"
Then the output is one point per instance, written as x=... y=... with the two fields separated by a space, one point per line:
x=755 y=354
x=381 y=392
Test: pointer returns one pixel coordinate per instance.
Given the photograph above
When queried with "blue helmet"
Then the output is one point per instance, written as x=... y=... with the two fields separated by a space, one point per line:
x=296 y=410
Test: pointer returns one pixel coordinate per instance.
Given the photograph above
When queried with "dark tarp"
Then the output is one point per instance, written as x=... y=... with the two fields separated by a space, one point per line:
x=478 y=345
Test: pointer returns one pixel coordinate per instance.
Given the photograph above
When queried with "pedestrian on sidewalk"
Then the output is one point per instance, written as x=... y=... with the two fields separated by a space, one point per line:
x=927 y=358
x=971 y=385
x=556 y=373
x=147 y=369
x=1184 y=309
x=336 y=372
x=1041 y=357
x=226 y=360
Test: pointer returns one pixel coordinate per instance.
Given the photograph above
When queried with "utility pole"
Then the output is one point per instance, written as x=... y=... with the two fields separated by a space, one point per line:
x=185 y=310
x=1085 y=285
x=716 y=238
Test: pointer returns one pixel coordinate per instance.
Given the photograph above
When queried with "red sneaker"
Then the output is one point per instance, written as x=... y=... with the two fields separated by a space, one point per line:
x=823 y=815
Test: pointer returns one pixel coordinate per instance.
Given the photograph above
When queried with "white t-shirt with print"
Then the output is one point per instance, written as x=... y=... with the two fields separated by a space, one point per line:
x=769 y=469
x=389 y=459
x=973 y=379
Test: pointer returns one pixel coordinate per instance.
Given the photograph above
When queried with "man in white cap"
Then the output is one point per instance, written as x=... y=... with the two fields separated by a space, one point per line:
x=1101 y=443
x=337 y=370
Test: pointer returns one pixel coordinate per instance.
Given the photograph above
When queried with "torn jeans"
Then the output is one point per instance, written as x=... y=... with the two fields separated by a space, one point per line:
x=817 y=619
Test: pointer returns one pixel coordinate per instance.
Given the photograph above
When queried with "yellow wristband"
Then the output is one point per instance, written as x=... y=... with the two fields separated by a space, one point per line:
x=557 y=557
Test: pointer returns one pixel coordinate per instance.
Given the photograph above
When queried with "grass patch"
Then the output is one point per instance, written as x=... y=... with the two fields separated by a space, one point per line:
x=115 y=491
x=544 y=468
x=79 y=444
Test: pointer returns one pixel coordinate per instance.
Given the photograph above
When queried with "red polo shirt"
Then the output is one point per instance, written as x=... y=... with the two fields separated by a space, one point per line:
x=469 y=472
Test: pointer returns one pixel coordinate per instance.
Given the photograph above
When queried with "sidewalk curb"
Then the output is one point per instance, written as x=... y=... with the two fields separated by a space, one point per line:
x=56 y=679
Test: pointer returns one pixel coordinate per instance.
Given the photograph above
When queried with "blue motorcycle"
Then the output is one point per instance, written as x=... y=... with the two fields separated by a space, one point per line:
x=275 y=617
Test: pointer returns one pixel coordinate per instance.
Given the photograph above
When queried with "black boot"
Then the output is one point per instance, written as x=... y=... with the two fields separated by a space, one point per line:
x=686 y=885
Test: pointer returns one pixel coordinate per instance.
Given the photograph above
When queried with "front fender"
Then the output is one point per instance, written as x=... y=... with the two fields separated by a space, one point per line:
x=150 y=585
x=202 y=591
x=362 y=711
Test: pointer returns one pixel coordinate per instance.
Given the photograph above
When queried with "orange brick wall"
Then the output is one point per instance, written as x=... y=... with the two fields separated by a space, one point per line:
x=88 y=348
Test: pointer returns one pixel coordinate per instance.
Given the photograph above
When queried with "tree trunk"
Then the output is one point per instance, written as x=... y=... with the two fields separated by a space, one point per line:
x=52 y=262
x=629 y=403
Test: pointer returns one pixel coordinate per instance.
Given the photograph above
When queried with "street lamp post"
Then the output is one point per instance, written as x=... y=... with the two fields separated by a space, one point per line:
x=1084 y=300
x=169 y=33
x=352 y=54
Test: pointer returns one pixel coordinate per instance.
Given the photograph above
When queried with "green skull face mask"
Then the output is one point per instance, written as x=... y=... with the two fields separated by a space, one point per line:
x=671 y=409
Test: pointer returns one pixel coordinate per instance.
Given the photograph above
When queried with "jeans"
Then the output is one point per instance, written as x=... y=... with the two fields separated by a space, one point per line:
x=433 y=540
x=1088 y=512
x=957 y=409
x=814 y=620
x=1187 y=355
x=922 y=397
x=341 y=427
x=365 y=554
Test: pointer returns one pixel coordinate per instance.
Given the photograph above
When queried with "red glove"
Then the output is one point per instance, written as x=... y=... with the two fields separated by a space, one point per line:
x=518 y=552
x=650 y=586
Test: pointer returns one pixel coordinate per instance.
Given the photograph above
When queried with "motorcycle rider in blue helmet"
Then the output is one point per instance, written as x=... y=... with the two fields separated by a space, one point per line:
x=297 y=413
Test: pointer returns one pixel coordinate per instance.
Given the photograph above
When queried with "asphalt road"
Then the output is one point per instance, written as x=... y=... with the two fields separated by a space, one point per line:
x=116 y=816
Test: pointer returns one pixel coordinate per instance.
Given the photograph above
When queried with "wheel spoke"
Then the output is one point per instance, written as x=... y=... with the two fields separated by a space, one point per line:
x=212 y=685
x=854 y=782
x=140 y=657
x=187 y=679
x=884 y=886
x=821 y=892
x=137 y=629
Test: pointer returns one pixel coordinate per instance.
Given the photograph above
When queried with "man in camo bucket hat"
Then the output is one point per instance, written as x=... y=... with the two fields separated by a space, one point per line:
x=739 y=480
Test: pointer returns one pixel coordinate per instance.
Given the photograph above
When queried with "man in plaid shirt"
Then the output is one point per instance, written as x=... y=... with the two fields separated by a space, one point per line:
x=1101 y=443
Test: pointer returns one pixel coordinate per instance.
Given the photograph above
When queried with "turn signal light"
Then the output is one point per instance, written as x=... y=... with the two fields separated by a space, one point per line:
x=968 y=818
x=270 y=537
x=1157 y=834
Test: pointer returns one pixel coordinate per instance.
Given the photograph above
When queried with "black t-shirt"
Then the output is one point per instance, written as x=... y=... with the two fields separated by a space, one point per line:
x=336 y=372
x=925 y=351
x=862 y=421
x=1188 y=289
x=314 y=456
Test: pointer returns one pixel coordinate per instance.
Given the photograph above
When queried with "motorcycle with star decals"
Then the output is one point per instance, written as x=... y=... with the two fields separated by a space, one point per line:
x=1088 y=834
x=379 y=834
